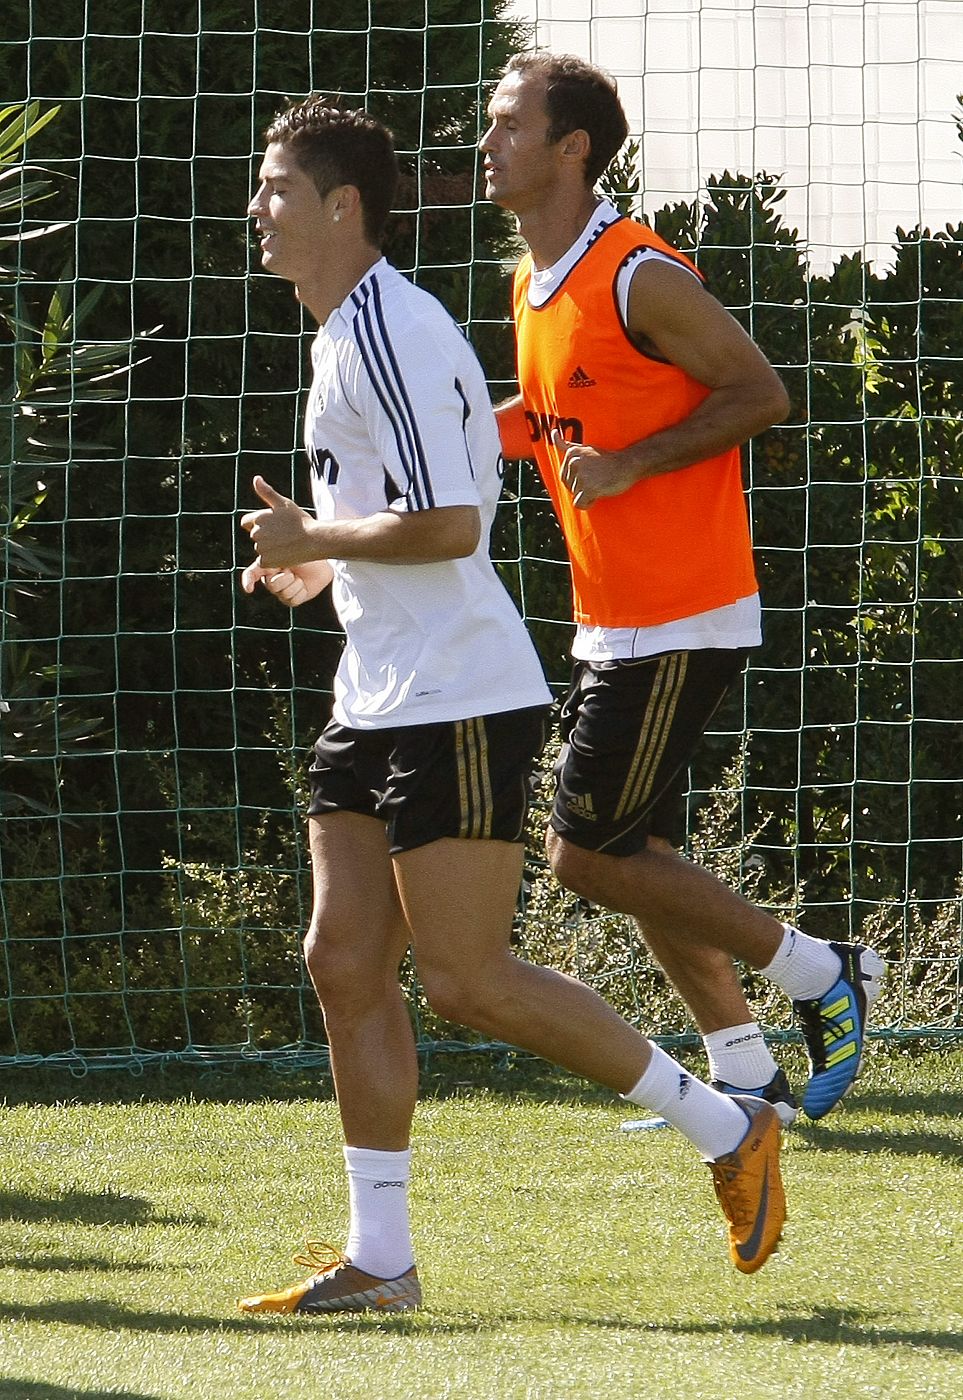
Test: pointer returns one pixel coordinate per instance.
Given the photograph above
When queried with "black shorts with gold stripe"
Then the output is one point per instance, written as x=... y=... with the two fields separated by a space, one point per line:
x=629 y=729
x=467 y=778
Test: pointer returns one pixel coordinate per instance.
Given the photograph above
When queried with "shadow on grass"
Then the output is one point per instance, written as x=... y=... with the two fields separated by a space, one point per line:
x=936 y=1101
x=235 y=1083
x=834 y=1136
x=865 y=1143
x=68 y=1264
x=447 y=1071
x=839 y=1326
x=101 y=1315
x=39 y=1390
x=836 y=1326
x=88 y=1208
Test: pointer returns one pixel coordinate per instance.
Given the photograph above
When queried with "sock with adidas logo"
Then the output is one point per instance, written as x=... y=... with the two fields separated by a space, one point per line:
x=740 y=1056
x=714 y=1123
x=804 y=967
x=379 y=1235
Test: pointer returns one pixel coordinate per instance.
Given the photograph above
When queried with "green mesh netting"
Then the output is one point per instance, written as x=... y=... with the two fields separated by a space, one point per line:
x=152 y=874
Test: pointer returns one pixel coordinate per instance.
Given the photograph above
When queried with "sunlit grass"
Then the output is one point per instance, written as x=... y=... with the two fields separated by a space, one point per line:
x=560 y=1257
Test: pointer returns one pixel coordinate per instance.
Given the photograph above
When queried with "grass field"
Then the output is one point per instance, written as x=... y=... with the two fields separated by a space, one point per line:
x=560 y=1257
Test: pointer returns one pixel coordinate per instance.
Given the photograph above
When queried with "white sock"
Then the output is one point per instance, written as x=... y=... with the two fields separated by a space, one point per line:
x=740 y=1056
x=712 y=1121
x=379 y=1236
x=803 y=967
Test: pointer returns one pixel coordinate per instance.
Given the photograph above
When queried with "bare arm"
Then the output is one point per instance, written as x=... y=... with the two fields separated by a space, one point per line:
x=285 y=536
x=670 y=309
x=670 y=312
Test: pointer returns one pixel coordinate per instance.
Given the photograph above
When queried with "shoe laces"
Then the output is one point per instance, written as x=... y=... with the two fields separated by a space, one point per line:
x=729 y=1181
x=320 y=1258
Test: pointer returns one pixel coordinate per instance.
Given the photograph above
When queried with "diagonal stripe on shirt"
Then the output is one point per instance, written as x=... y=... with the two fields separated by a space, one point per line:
x=381 y=362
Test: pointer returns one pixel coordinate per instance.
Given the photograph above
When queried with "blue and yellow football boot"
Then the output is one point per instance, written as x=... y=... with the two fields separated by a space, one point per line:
x=834 y=1026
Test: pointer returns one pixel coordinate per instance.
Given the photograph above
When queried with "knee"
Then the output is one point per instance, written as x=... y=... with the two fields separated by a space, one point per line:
x=658 y=845
x=577 y=869
x=324 y=967
x=447 y=994
x=335 y=972
x=467 y=997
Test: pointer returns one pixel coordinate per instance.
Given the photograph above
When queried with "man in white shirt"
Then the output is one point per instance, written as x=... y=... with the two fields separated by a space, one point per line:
x=419 y=781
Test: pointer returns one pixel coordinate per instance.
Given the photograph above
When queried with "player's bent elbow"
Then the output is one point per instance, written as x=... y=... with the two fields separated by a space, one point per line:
x=472 y=536
x=777 y=401
x=462 y=531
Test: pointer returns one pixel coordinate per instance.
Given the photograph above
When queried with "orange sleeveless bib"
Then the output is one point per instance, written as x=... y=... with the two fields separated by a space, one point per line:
x=672 y=545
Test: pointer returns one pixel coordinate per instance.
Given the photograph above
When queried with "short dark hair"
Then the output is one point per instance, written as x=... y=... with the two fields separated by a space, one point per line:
x=339 y=145
x=578 y=96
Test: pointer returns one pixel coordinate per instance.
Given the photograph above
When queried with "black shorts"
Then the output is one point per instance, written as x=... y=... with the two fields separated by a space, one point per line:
x=466 y=778
x=629 y=729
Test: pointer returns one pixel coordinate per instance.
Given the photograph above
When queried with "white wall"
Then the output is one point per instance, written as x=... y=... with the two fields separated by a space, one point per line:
x=851 y=102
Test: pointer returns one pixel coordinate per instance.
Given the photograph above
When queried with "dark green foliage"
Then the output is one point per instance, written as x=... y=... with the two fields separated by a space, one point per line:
x=138 y=617
x=52 y=382
x=857 y=508
x=162 y=909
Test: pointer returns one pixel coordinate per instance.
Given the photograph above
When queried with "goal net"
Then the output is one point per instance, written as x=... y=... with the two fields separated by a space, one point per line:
x=153 y=881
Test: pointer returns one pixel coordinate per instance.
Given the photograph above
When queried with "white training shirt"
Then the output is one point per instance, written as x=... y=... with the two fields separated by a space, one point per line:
x=399 y=418
x=737 y=624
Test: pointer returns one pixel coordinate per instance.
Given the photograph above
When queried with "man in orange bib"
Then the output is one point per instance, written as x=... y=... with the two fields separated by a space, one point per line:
x=637 y=389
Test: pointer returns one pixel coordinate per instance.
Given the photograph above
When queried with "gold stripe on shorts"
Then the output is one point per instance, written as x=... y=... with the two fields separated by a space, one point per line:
x=474 y=779
x=659 y=717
